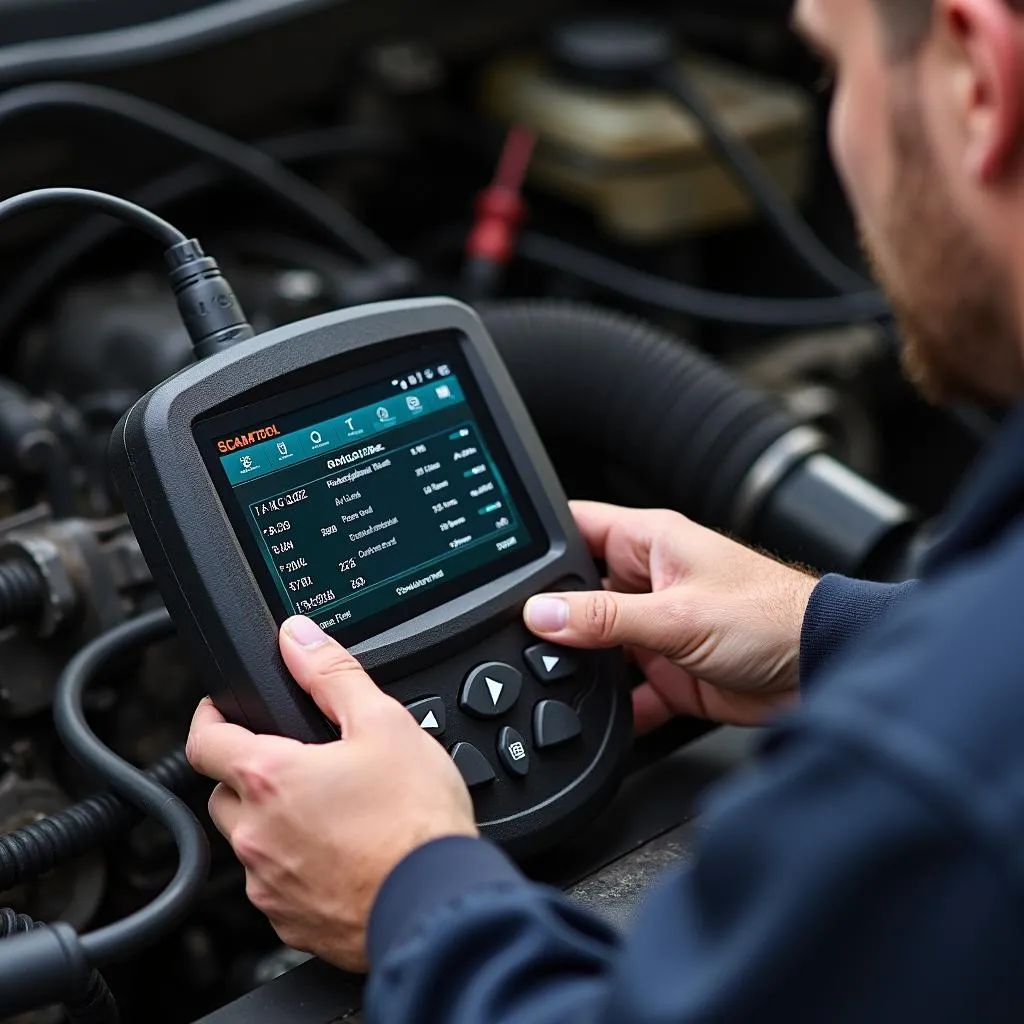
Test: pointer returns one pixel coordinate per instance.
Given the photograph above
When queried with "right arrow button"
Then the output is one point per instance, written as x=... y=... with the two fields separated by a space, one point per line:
x=554 y=723
x=550 y=664
x=491 y=690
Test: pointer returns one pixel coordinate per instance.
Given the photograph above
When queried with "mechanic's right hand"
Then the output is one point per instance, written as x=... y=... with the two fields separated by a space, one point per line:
x=714 y=626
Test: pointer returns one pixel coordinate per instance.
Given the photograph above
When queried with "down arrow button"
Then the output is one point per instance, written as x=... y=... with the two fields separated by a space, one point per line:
x=491 y=690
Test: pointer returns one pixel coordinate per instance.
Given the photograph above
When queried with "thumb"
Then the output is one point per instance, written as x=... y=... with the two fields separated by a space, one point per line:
x=327 y=672
x=604 y=619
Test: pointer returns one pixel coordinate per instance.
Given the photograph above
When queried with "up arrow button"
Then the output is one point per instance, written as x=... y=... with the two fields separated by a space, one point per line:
x=430 y=714
x=491 y=690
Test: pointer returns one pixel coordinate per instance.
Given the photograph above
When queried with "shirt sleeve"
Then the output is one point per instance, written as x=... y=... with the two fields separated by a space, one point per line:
x=824 y=887
x=840 y=611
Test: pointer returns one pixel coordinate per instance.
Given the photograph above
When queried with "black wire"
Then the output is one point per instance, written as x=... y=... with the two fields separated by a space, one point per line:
x=184 y=32
x=619 y=279
x=245 y=161
x=124 y=210
x=123 y=938
x=28 y=288
x=769 y=199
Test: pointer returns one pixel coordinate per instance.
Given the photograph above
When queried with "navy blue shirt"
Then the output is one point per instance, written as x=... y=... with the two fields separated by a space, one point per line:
x=870 y=869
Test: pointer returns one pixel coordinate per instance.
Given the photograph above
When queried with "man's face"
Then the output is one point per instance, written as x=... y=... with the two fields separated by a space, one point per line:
x=924 y=228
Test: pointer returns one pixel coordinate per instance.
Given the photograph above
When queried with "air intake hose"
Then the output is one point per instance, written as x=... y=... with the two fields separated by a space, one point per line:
x=640 y=398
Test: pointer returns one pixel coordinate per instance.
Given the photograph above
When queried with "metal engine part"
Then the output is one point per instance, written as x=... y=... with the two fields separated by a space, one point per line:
x=99 y=577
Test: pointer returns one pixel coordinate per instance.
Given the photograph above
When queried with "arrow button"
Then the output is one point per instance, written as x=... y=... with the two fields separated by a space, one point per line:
x=495 y=688
x=491 y=690
x=550 y=664
x=476 y=771
x=430 y=714
x=554 y=723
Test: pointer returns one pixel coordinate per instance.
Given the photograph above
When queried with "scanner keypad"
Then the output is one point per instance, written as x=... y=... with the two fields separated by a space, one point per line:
x=519 y=717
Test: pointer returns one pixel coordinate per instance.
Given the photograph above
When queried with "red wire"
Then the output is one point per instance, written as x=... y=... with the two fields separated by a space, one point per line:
x=515 y=158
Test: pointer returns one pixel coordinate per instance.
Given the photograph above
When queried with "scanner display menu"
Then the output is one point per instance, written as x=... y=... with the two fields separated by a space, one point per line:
x=378 y=498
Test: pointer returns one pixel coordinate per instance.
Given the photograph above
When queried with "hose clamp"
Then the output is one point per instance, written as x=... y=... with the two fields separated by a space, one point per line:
x=774 y=464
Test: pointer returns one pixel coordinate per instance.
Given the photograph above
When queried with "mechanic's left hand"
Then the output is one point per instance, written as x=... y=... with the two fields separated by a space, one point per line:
x=319 y=828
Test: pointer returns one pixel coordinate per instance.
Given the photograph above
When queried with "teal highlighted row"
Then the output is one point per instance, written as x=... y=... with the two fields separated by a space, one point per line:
x=365 y=424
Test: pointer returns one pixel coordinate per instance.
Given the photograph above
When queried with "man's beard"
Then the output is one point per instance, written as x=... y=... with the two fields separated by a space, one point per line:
x=953 y=305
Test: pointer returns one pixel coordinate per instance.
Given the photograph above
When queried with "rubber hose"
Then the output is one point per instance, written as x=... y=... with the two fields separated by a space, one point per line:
x=95 y=1005
x=22 y=591
x=124 y=938
x=50 y=842
x=638 y=397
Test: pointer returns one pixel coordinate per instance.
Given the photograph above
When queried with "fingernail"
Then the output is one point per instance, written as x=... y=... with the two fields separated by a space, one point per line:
x=305 y=632
x=547 y=614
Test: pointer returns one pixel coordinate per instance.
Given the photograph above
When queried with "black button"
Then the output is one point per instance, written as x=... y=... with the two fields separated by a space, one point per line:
x=550 y=664
x=491 y=690
x=429 y=712
x=474 y=766
x=554 y=723
x=512 y=752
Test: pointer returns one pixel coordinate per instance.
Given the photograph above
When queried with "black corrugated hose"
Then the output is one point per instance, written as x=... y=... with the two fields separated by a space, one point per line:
x=22 y=591
x=46 y=844
x=638 y=397
x=95 y=1005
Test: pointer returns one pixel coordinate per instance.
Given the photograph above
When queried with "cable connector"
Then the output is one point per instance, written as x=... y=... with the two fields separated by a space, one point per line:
x=212 y=315
x=208 y=307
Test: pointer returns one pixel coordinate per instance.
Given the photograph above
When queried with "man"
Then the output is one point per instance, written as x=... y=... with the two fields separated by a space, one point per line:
x=872 y=867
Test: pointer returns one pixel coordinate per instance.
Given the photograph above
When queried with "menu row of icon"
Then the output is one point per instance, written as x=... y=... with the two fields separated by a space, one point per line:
x=341 y=431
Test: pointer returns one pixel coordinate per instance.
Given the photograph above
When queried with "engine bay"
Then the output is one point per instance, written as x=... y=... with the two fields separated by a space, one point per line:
x=535 y=160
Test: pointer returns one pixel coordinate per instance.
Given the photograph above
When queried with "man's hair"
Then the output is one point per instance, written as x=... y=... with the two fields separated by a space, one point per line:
x=908 y=21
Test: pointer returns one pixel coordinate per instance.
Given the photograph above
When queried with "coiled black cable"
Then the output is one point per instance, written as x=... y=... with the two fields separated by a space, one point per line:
x=50 y=842
x=122 y=938
x=95 y=1004
x=22 y=592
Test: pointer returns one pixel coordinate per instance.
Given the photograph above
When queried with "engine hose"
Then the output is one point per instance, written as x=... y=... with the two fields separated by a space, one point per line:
x=23 y=591
x=640 y=398
x=95 y=1005
x=50 y=842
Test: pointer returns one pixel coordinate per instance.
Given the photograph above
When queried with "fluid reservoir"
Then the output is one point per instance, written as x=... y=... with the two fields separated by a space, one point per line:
x=636 y=159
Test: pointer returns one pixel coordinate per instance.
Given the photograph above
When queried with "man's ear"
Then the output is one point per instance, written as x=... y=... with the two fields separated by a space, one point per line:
x=980 y=44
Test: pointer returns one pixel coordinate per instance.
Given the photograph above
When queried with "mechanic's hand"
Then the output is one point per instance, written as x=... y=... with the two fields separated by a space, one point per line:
x=714 y=626
x=318 y=828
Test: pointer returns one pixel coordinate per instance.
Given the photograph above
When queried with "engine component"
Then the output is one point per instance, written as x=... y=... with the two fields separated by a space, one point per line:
x=30 y=849
x=744 y=465
x=635 y=158
x=71 y=893
x=55 y=961
x=69 y=580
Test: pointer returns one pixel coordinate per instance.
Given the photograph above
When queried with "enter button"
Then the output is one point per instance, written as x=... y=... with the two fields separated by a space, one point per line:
x=554 y=723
